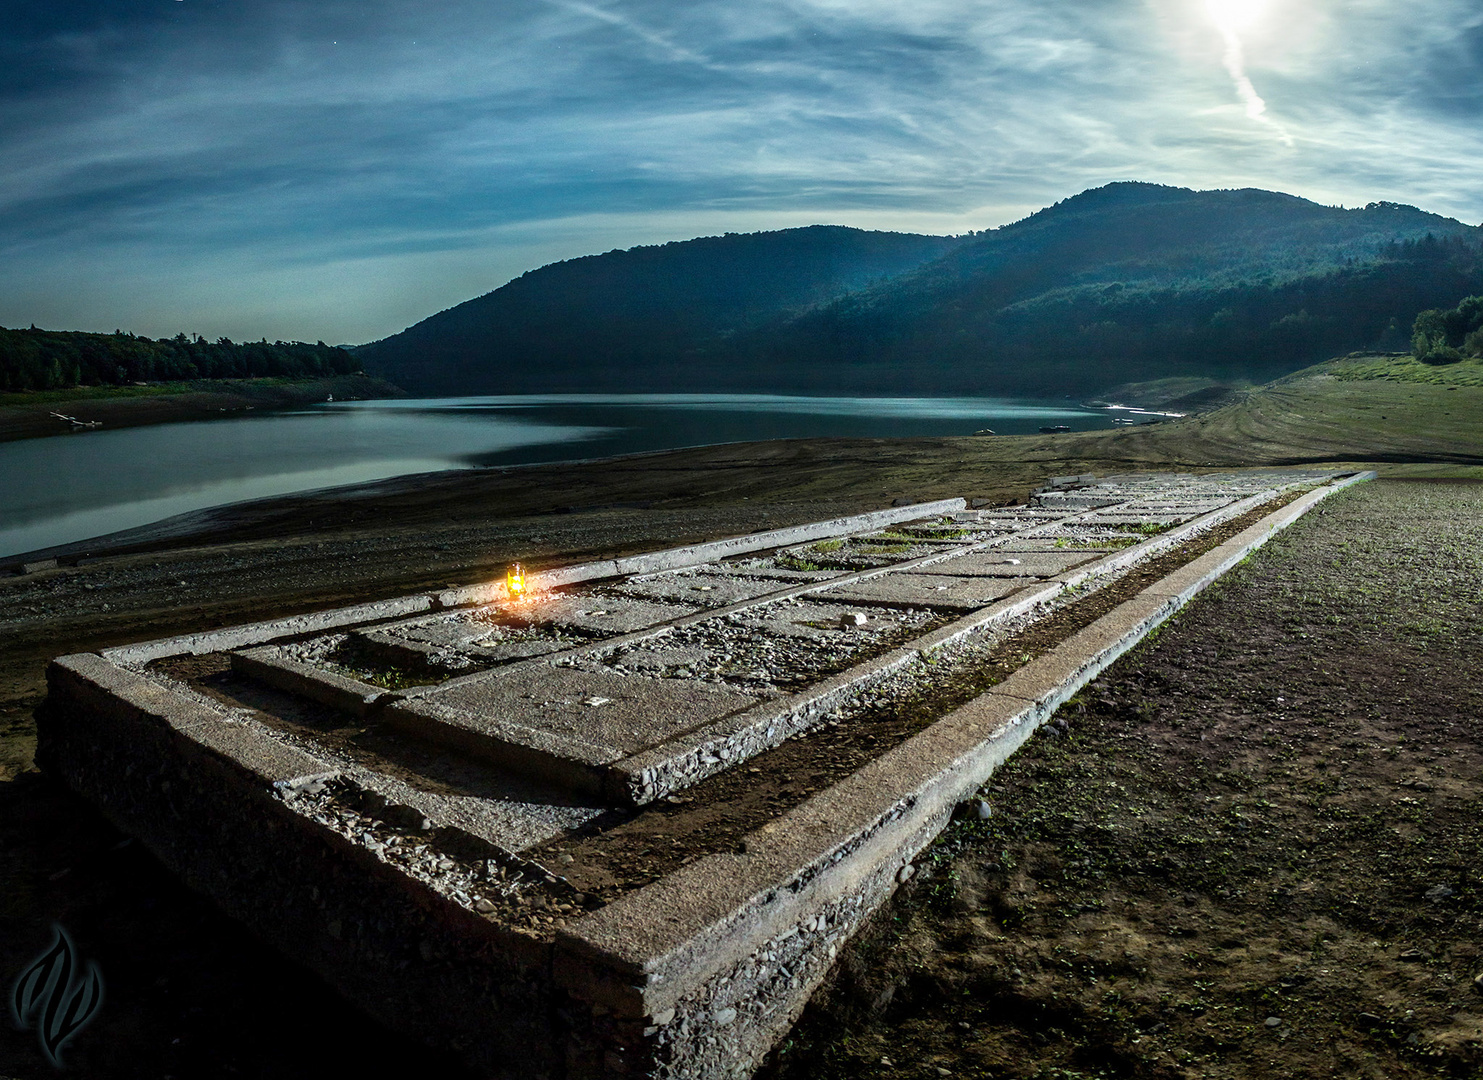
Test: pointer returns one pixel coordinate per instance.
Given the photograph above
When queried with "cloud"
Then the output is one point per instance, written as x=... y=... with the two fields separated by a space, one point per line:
x=336 y=170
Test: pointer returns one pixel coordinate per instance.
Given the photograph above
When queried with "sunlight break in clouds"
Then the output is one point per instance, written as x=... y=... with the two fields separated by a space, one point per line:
x=1231 y=17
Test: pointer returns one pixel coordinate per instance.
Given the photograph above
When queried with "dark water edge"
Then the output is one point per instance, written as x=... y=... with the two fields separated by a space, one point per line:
x=60 y=491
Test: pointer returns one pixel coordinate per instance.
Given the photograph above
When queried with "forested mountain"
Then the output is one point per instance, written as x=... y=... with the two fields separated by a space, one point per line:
x=35 y=359
x=1121 y=283
x=628 y=319
x=1135 y=281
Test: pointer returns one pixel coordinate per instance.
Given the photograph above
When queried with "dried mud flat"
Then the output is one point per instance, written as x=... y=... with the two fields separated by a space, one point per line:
x=1251 y=849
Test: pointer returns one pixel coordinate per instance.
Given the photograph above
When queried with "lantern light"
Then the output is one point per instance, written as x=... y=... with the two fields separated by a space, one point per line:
x=515 y=581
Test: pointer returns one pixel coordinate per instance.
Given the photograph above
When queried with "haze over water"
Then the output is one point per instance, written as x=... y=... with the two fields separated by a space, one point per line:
x=65 y=489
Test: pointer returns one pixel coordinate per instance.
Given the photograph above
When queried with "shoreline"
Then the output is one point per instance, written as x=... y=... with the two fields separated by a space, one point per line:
x=29 y=415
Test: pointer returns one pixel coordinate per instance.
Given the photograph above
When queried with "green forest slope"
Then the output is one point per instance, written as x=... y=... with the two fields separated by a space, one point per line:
x=638 y=319
x=1126 y=283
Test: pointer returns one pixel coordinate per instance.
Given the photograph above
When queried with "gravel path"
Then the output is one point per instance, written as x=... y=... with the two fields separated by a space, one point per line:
x=1253 y=852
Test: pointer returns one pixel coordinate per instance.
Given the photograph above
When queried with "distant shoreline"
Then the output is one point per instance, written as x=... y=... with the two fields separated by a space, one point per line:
x=29 y=415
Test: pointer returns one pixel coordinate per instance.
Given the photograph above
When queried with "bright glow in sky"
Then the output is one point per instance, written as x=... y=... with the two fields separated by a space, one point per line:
x=337 y=170
x=1236 y=15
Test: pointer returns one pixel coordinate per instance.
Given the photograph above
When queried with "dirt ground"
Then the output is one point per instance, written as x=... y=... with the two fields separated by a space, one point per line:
x=1253 y=851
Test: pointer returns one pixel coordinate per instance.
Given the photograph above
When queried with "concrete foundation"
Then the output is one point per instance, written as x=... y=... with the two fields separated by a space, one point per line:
x=398 y=838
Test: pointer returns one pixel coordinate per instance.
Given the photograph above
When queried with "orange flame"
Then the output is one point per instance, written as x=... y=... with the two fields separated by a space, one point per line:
x=515 y=581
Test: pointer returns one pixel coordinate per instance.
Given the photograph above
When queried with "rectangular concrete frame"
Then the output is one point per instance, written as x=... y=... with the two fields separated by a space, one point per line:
x=733 y=945
x=238 y=637
x=695 y=975
x=692 y=756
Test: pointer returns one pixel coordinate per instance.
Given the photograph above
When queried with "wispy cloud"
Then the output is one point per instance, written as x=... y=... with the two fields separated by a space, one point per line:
x=290 y=168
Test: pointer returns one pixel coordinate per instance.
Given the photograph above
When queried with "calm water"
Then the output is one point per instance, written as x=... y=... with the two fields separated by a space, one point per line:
x=59 y=490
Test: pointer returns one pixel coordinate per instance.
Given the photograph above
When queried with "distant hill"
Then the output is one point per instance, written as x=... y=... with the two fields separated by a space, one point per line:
x=1124 y=283
x=637 y=319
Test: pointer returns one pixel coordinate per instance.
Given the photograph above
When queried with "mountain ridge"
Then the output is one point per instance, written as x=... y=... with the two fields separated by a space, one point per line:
x=1125 y=282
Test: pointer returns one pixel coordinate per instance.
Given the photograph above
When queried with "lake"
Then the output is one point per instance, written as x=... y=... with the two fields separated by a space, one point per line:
x=68 y=488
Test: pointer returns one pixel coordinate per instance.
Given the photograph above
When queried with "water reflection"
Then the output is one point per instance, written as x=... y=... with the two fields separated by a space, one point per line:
x=68 y=488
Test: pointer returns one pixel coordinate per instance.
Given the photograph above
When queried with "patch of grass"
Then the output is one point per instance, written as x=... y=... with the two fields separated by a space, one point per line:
x=393 y=678
x=883 y=549
x=1407 y=369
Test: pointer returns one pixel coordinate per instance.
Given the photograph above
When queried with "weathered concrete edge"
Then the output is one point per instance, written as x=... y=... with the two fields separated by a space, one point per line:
x=237 y=637
x=114 y=693
x=558 y=759
x=269 y=664
x=708 y=551
x=658 y=943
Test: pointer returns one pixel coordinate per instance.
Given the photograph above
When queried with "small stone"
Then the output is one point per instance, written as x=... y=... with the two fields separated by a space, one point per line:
x=663 y=1017
x=1437 y=893
x=1273 y=1022
x=1478 y=982
x=724 y=1017
x=483 y=906
x=886 y=1061
x=985 y=811
x=904 y=874
x=944 y=1072
x=1370 y=1018
x=1412 y=956
x=565 y=859
x=850 y=620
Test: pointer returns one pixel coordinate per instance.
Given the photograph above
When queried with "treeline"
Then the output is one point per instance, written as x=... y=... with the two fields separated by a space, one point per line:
x=33 y=359
x=1445 y=337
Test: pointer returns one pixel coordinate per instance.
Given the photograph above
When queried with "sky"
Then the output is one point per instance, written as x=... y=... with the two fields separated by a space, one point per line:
x=322 y=169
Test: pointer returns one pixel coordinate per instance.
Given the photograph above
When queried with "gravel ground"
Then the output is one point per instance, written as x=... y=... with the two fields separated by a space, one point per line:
x=1250 y=850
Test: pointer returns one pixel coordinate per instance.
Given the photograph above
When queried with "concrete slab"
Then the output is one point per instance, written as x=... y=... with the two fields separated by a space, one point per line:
x=819 y=617
x=595 y=615
x=933 y=590
x=619 y=714
x=1012 y=564
x=705 y=588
